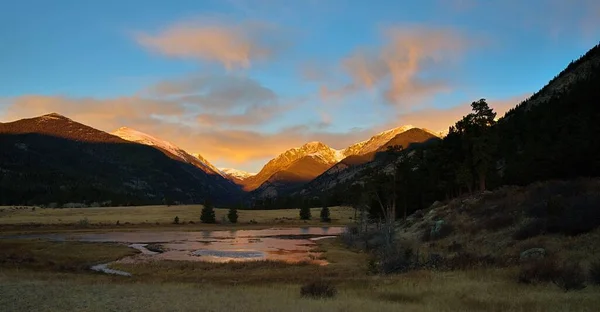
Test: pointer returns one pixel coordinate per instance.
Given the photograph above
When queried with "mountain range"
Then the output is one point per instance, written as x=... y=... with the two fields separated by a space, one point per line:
x=103 y=164
x=52 y=159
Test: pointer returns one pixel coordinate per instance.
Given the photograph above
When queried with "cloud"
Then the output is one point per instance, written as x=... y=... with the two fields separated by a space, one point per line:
x=109 y=113
x=234 y=45
x=441 y=119
x=251 y=115
x=403 y=66
x=199 y=101
x=229 y=94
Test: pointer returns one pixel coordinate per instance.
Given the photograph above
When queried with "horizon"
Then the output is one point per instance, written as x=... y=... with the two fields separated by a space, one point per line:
x=240 y=82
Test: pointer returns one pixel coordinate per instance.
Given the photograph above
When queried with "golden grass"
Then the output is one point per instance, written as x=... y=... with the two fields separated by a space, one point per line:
x=258 y=286
x=491 y=290
x=149 y=216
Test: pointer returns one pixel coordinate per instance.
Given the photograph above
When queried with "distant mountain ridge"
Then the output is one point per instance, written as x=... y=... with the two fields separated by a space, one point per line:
x=53 y=159
x=173 y=151
x=297 y=172
x=235 y=175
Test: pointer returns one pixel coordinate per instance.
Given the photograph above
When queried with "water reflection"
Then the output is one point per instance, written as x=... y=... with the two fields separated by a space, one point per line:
x=288 y=244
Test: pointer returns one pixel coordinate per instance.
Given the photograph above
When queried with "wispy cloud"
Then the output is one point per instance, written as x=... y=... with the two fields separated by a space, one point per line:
x=401 y=69
x=233 y=44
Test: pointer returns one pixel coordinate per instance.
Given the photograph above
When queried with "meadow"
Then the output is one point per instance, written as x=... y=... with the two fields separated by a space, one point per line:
x=41 y=275
x=261 y=286
x=23 y=218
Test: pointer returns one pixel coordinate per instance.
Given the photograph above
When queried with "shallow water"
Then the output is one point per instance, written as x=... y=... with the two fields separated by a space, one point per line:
x=286 y=244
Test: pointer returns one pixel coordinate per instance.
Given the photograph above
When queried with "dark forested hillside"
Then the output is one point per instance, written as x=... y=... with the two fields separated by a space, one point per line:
x=552 y=135
x=556 y=133
x=52 y=159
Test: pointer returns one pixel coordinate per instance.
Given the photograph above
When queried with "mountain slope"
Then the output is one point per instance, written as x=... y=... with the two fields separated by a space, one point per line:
x=375 y=142
x=235 y=175
x=299 y=172
x=53 y=159
x=554 y=134
x=168 y=148
x=353 y=166
x=293 y=178
x=324 y=153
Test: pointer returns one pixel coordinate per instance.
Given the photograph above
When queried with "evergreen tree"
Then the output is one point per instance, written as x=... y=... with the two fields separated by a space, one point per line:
x=175 y=220
x=478 y=141
x=305 y=212
x=208 y=213
x=325 y=214
x=232 y=215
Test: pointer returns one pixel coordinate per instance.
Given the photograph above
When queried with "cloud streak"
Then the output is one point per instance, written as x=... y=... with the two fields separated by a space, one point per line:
x=401 y=69
x=234 y=45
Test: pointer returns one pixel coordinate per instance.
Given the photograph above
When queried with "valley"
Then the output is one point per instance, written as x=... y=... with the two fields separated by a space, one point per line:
x=300 y=156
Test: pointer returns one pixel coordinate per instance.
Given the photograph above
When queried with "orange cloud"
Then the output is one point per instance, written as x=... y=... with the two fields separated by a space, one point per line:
x=399 y=67
x=235 y=45
x=218 y=144
x=107 y=113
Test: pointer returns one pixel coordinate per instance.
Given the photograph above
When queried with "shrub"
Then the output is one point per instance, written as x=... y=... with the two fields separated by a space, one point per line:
x=318 y=290
x=350 y=235
x=176 y=220
x=325 y=214
x=208 y=213
x=530 y=229
x=439 y=230
x=392 y=259
x=538 y=271
x=570 y=276
x=118 y=222
x=595 y=272
x=455 y=247
x=581 y=216
x=84 y=222
x=232 y=215
x=466 y=260
x=305 y=213
x=498 y=222
x=155 y=248
x=572 y=215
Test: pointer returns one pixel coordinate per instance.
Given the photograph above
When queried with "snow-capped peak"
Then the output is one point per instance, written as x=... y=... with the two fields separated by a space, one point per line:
x=53 y=116
x=375 y=142
x=235 y=173
x=132 y=135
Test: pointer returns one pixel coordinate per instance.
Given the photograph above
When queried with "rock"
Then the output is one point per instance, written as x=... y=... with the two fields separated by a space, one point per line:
x=436 y=228
x=533 y=254
x=436 y=204
x=103 y=268
x=418 y=214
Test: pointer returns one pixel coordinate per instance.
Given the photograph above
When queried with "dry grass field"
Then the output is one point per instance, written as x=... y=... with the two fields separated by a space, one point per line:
x=23 y=218
x=51 y=276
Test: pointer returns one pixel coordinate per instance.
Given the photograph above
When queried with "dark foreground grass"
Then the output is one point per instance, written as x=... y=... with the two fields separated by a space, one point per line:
x=45 y=255
x=258 y=286
x=489 y=290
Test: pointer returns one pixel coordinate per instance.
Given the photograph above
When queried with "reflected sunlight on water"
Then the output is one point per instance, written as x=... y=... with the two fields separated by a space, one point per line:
x=286 y=244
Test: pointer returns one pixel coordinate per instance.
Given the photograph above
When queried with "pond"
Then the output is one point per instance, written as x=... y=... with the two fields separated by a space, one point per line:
x=286 y=244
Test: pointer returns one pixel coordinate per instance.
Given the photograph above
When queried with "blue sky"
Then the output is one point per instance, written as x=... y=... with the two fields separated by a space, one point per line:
x=249 y=79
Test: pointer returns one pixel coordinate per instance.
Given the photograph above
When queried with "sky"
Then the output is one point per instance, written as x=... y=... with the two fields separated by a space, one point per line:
x=240 y=81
